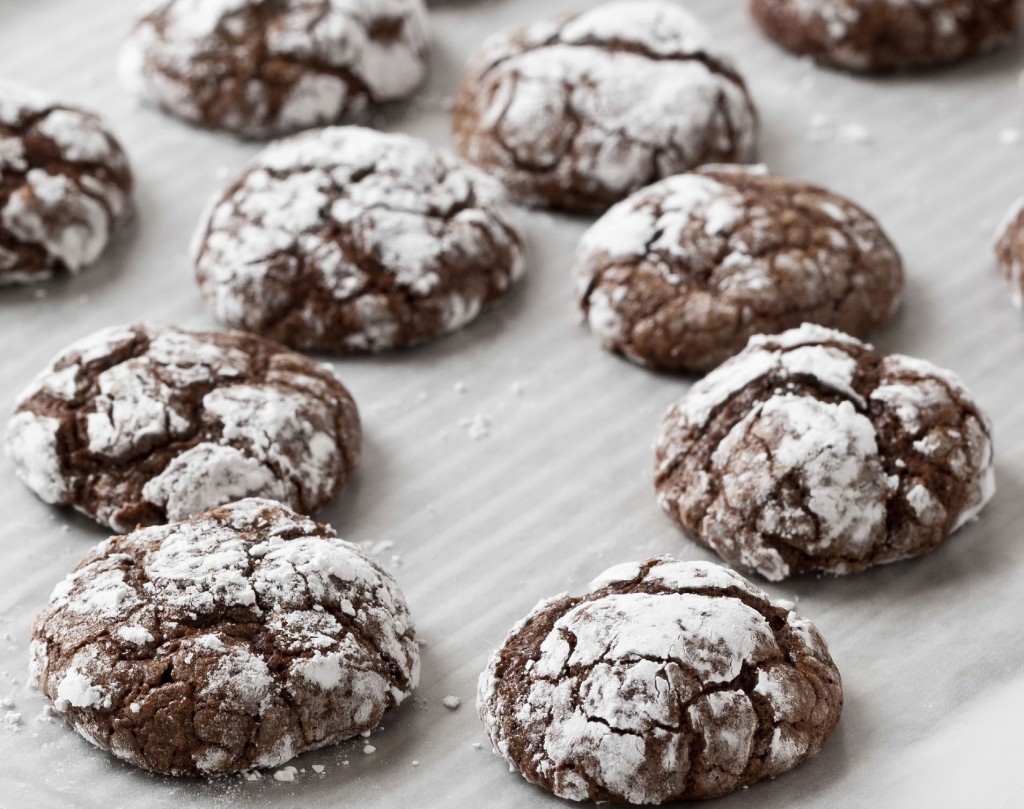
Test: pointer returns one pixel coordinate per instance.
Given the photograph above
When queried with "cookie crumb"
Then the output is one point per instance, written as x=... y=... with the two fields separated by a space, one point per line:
x=451 y=702
x=318 y=768
x=285 y=774
x=369 y=749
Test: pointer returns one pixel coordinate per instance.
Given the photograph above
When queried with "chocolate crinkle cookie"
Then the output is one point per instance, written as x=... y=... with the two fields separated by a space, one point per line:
x=350 y=240
x=237 y=639
x=579 y=110
x=669 y=680
x=809 y=452
x=1010 y=251
x=65 y=186
x=261 y=68
x=138 y=425
x=874 y=35
x=682 y=273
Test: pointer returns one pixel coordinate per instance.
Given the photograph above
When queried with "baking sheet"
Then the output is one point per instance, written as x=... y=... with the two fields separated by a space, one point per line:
x=553 y=484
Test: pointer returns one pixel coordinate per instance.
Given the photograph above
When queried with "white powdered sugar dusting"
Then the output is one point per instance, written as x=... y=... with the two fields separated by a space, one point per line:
x=351 y=53
x=601 y=702
x=398 y=199
x=284 y=436
x=819 y=457
x=642 y=81
x=62 y=204
x=332 y=615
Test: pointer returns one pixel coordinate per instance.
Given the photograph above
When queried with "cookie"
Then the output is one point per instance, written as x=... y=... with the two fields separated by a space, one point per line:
x=139 y=425
x=810 y=452
x=260 y=68
x=65 y=186
x=579 y=110
x=667 y=681
x=876 y=35
x=349 y=240
x=236 y=639
x=681 y=274
x=1010 y=251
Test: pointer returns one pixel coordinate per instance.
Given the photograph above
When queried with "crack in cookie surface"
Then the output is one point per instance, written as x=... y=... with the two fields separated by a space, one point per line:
x=65 y=186
x=348 y=240
x=237 y=639
x=262 y=68
x=579 y=110
x=809 y=452
x=874 y=35
x=681 y=274
x=668 y=680
x=142 y=424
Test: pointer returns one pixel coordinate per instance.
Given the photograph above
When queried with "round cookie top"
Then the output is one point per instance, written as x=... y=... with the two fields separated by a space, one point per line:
x=65 y=186
x=682 y=273
x=809 y=452
x=237 y=639
x=346 y=239
x=138 y=425
x=579 y=110
x=668 y=680
x=872 y=35
x=1010 y=251
x=261 y=68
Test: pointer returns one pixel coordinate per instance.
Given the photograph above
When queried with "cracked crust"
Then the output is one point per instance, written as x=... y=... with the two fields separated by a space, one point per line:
x=680 y=275
x=350 y=240
x=261 y=68
x=878 y=35
x=669 y=680
x=579 y=110
x=138 y=425
x=238 y=639
x=1009 y=250
x=809 y=452
x=65 y=186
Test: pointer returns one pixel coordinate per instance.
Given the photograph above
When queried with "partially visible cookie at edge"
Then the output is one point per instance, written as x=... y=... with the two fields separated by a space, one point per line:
x=879 y=35
x=234 y=640
x=682 y=273
x=262 y=68
x=667 y=681
x=1009 y=250
x=807 y=452
x=346 y=239
x=142 y=424
x=65 y=186
x=579 y=110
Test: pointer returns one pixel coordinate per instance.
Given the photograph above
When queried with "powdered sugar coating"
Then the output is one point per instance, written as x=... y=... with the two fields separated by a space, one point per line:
x=240 y=638
x=669 y=680
x=261 y=68
x=807 y=451
x=1009 y=248
x=144 y=424
x=65 y=186
x=577 y=111
x=347 y=239
x=683 y=272
x=867 y=35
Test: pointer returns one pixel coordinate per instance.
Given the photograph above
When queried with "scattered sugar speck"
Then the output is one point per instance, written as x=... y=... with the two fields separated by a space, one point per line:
x=318 y=768
x=478 y=427
x=285 y=774
x=451 y=702
x=369 y=749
